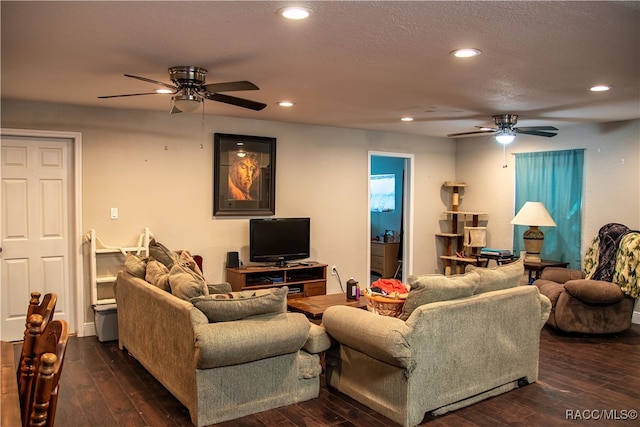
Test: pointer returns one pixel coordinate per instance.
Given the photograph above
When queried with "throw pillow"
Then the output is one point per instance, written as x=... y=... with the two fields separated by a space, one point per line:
x=161 y=253
x=436 y=287
x=185 y=283
x=502 y=277
x=185 y=258
x=135 y=265
x=219 y=288
x=241 y=305
x=158 y=275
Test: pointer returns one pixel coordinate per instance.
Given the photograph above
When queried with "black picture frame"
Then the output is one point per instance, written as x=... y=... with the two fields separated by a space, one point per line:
x=244 y=175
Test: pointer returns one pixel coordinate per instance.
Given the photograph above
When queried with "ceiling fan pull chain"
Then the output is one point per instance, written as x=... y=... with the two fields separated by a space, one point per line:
x=504 y=156
x=202 y=128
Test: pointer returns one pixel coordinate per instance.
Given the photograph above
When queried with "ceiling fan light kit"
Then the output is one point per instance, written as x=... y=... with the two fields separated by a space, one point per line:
x=505 y=136
x=187 y=103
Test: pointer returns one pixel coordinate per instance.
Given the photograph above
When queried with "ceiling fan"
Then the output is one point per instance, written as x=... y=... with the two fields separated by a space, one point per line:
x=189 y=90
x=506 y=130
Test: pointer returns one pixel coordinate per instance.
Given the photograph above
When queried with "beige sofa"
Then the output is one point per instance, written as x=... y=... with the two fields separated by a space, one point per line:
x=478 y=337
x=221 y=370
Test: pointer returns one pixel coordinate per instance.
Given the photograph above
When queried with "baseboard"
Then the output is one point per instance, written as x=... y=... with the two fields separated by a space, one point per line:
x=89 y=330
x=636 y=317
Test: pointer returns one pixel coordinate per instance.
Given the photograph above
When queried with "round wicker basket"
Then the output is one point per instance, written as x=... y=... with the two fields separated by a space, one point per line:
x=384 y=306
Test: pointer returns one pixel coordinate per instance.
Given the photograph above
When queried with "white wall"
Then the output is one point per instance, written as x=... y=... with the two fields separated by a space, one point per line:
x=156 y=169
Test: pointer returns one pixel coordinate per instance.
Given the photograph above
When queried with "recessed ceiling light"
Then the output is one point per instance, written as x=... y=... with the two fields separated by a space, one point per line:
x=407 y=119
x=600 y=88
x=164 y=91
x=285 y=104
x=466 y=53
x=295 y=12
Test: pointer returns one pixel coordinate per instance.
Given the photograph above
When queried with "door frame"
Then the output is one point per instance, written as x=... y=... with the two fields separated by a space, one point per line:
x=407 y=214
x=76 y=288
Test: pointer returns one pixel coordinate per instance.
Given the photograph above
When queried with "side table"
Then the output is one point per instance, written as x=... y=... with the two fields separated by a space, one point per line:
x=482 y=260
x=539 y=266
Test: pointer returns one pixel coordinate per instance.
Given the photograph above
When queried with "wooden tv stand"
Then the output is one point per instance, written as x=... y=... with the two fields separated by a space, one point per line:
x=302 y=280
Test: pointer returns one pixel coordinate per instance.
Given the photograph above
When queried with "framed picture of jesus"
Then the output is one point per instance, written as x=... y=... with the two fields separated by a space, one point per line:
x=244 y=175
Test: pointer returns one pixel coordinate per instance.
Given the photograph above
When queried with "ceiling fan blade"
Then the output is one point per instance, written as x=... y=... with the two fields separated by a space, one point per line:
x=230 y=86
x=536 y=133
x=240 y=102
x=528 y=128
x=132 y=94
x=475 y=132
x=155 y=82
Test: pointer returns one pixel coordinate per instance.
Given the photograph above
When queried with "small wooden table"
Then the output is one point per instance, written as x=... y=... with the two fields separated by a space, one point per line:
x=482 y=260
x=314 y=307
x=539 y=266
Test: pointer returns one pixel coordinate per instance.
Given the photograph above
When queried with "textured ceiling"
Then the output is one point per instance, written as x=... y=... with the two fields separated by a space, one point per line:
x=358 y=64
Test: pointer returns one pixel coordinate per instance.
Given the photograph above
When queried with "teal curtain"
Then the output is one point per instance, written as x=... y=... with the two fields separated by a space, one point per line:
x=554 y=178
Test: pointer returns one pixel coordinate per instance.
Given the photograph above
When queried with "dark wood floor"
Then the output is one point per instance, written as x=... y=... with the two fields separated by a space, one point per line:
x=103 y=386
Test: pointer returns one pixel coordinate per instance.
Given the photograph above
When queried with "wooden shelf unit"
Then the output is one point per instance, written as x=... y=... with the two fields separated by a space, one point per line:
x=454 y=239
x=302 y=280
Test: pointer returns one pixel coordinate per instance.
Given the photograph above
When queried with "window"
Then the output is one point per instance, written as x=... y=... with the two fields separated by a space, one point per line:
x=383 y=192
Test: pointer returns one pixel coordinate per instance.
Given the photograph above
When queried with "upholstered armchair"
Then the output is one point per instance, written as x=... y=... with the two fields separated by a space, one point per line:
x=600 y=299
x=583 y=305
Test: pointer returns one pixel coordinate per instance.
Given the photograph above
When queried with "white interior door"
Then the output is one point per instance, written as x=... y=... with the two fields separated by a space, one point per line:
x=37 y=181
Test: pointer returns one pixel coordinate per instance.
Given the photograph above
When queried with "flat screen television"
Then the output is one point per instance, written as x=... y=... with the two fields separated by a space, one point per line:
x=279 y=239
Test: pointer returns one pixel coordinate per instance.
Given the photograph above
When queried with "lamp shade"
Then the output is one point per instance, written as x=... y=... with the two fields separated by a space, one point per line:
x=533 y=213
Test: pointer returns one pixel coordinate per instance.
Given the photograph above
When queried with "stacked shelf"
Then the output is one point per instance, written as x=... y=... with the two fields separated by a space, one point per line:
x=465 y=238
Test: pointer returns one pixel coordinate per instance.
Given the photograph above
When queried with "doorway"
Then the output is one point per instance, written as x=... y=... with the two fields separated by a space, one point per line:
x=40 y=226
x=390 y=215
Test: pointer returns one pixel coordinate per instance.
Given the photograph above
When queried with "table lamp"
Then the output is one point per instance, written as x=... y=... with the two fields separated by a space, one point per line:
x=534 y=215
